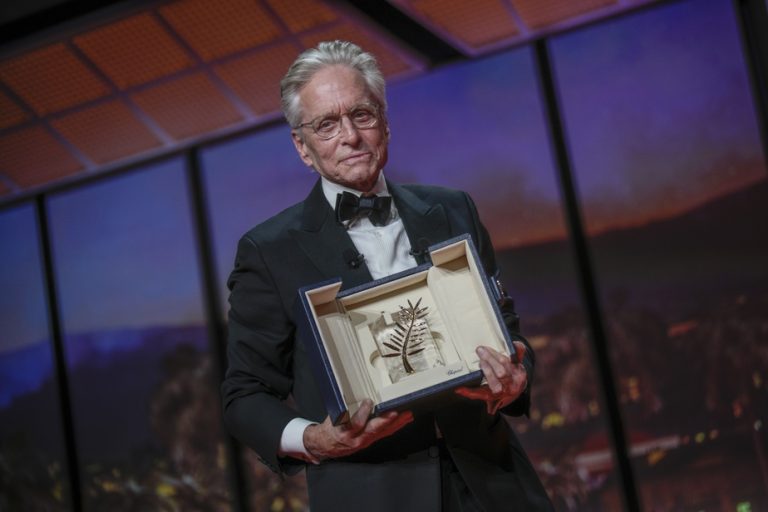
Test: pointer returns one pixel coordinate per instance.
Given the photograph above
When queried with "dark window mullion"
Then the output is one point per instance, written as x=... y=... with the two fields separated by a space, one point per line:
x=586 y=275
x=752 y=16
x=212 y=305
x=60 y=362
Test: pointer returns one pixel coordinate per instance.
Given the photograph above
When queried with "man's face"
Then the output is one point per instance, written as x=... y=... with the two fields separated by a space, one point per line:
x=353 y=158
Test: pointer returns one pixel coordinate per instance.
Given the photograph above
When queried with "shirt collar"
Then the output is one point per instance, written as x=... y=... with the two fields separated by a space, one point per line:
x=331 y=189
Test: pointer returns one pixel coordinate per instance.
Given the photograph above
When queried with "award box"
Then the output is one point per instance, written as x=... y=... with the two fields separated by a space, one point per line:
x=405 y=341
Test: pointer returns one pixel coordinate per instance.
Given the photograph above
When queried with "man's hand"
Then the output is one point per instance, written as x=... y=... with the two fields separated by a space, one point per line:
x=505 y=379
x=325 y=440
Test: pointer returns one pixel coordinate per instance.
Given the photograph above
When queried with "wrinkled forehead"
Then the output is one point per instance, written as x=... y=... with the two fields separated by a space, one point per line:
x=332 y=90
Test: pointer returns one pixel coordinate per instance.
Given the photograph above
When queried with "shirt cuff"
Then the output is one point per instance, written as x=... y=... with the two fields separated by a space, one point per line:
x=292 y=439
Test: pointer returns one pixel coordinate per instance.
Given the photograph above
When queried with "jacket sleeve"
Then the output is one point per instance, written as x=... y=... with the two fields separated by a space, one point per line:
x=259 y=351
x=485 y=248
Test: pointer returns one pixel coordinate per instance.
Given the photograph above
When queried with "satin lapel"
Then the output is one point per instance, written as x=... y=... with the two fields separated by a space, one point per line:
x=421 y=220
x=325 y=242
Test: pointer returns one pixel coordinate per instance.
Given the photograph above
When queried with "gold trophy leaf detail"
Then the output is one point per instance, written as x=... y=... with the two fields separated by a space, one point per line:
x=408 y=334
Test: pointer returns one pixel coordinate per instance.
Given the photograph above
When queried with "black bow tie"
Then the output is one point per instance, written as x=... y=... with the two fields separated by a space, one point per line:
x=350 y=207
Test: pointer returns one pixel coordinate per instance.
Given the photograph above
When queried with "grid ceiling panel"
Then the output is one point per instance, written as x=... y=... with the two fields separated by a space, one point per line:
x=134 y=51
x=301 y=15
x=32 y=157
x=476 y=24
x=106 y=132
x=542 y=13
x=187 y=106
x=218 y=29
x=390 y=62
x=51 y=79
x=10 y=112
x=255 y=78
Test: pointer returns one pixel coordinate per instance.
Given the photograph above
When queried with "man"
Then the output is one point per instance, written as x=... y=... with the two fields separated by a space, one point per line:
x=461 y=457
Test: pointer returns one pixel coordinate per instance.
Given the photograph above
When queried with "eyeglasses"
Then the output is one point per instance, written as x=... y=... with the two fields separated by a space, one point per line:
x=328 y=126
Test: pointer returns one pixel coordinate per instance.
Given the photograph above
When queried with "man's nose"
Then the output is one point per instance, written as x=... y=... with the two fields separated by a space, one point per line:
x=349 y=132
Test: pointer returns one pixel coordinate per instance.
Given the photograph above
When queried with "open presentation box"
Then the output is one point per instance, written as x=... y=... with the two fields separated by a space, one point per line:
x=405 y=341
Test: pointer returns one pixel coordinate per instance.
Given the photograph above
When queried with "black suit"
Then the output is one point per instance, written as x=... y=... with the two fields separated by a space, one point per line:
x=304 y=245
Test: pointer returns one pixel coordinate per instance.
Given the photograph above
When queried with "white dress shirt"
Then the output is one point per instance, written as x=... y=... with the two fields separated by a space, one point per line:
x=386 y=250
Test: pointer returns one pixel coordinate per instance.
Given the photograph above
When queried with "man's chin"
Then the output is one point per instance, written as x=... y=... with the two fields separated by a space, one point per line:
x=362 y=182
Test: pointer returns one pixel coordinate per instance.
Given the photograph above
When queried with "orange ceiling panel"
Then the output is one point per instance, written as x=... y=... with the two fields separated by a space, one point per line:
x=255 y=78
x=33 y=156
x=134 y=51
x=106 y=132
x=390 y=62
x=476 y=24
x=187 y=106
x=301 y=15
x=542 y=13
x=51 y=79
x=217 y=29
x=10 y=113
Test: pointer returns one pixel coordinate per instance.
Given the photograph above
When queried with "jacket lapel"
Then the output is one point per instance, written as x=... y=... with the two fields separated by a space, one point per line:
x=426 y=224
x=326 y=242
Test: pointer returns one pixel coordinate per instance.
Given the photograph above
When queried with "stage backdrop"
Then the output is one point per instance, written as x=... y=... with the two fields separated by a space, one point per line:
x=671 y=182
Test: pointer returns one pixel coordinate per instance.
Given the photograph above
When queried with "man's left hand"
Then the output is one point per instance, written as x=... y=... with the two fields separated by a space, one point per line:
x=506 y=378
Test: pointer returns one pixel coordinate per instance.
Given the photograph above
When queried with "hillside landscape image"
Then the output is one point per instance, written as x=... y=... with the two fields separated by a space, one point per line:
x=683 y=297
x=671 y=318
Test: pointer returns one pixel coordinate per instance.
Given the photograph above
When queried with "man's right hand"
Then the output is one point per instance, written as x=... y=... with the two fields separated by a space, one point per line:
x=326 y=440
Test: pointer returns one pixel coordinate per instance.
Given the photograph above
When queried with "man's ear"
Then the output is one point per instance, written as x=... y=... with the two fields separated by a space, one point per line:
x=301 y=148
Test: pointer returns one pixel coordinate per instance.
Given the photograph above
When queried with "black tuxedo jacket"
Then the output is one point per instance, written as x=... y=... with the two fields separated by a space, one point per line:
x=304 y=245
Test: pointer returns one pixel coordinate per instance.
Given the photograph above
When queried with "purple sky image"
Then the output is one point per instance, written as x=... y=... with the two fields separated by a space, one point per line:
x=658 y=112
x=23 y=314
x=124 y=251
x=479 y=127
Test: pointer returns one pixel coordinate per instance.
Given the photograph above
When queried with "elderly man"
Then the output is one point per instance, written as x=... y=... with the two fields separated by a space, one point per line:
x=461 y=457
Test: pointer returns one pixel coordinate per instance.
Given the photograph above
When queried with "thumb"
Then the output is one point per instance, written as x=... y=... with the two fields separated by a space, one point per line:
x=360 y=418
x=520 y=350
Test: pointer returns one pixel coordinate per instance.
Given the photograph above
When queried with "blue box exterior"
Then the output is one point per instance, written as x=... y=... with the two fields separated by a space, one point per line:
x=308 y=331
